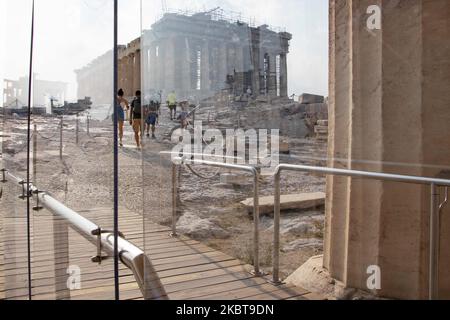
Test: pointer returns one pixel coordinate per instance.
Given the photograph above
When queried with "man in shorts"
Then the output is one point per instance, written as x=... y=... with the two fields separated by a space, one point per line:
x=183 y=117
x=152 y=118
x=136 y=117
x=172 y=104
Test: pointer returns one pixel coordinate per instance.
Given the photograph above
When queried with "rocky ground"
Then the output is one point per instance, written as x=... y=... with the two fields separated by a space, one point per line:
x=208 y=210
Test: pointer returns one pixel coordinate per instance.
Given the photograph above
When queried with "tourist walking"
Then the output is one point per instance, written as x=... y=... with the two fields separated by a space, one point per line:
x=172 y=104
x=136 y=117
x=183 y=117
x=122 y=105
x=152 y=118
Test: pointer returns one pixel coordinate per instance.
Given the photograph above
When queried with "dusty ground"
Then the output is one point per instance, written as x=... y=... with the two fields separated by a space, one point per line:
x=84 y=179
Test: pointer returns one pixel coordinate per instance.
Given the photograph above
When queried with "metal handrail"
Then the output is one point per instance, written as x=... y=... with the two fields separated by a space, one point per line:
x=130 y=255
x=176 y=161
x=434 y=211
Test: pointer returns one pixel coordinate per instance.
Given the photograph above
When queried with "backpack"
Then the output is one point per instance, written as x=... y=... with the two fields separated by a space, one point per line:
x=136 y=104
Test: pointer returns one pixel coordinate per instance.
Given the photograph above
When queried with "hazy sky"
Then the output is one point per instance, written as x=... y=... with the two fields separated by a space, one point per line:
x=70 y=33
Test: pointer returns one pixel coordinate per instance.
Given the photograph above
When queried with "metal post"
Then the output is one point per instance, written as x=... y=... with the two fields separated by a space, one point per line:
x=256 y=222
x=3 y=171
x=34 y=153
x=77 y=128
x=61 y=139
x=434 y=244
x=87 y=124
x=174 y=200
x=276 y=230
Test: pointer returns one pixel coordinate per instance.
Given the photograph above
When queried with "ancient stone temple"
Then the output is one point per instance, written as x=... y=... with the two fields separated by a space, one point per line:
x=129 y=64
x=389 y=112
x=95 y=80
x=199 y=55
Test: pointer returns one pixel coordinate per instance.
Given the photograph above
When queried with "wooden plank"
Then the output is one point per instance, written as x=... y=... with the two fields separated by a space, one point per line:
x=248 y=292
x=155 y=254
x=223 y=288
x=187 y=268
x=280 y=294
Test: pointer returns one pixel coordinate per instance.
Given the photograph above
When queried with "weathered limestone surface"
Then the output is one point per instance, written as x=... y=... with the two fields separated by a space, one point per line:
x=287 y=202
x=389 y=112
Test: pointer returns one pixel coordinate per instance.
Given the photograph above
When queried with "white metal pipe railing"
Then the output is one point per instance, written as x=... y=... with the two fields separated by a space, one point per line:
x=176 y=161
x=434 y=183
x=130 y=255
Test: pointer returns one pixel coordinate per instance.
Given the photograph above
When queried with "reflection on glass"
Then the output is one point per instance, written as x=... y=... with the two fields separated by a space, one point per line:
x=225 y=89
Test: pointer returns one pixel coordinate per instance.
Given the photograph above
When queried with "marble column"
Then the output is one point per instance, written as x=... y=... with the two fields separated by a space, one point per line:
x=222 y=65
x=205 y=68
x=283 y=75
x=130 y=76
x=168 y=59
x=389 y=112
x=256 y=61
x=272 y=81
x=137 y=71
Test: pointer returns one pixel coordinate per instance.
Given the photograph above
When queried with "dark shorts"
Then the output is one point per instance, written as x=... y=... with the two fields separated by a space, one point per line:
x=172 y=106
x=151 y=119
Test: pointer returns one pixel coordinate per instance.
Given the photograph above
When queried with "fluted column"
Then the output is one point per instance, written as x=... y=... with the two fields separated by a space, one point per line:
x=389 y=112
x=137 y=71
x=283 y=76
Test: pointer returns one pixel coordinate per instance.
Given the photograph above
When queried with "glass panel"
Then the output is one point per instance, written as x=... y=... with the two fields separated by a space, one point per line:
x=213 y=93
x=226 y=80
x=16 y=31
x=73 y=146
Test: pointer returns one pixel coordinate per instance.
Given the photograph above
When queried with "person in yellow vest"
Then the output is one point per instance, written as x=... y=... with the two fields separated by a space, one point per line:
x=172 y=104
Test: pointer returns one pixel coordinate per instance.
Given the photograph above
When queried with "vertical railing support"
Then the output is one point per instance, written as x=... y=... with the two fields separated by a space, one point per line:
x=434 y=244
x=3 y=171
x=77 y=129
x=87 y=124
x=174 y=200
x=35 y=153
x=256 y=223
x=25 y=193
x=276 y=230
x=61 y=138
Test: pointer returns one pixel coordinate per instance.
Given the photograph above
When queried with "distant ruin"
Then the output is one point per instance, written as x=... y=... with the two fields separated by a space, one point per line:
x=197 y=55
x=15 y=92
x=203 y=54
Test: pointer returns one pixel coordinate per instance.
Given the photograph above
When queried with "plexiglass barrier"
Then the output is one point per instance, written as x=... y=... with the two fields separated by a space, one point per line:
x=218 y=83
x=338 y=84
x=15 y=242
x=71 y=145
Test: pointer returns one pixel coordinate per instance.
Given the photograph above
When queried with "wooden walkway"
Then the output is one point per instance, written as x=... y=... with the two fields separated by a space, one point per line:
x=187 y=268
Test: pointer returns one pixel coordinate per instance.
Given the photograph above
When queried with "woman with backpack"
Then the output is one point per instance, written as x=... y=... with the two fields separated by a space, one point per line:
x=136 y=117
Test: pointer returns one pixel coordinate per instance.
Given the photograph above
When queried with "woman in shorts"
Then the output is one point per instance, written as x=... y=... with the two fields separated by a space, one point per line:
x=122 y=104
